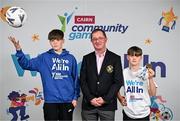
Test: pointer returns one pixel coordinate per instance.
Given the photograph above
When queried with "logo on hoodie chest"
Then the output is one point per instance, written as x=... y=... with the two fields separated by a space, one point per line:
x=60 y=64
x=59 y=68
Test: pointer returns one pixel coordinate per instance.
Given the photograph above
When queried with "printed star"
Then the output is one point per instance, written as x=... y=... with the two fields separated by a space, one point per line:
x=35 y=37
x=148 y=41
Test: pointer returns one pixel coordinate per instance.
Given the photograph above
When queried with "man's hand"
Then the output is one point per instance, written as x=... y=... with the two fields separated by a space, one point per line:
x=95 y=103
x=100 y=100
x=15 y=43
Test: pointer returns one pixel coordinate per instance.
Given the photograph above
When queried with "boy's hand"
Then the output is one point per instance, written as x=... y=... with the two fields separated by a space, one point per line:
x=151 y=73
x=15 y=43
x=74 y=102
x=123 y=101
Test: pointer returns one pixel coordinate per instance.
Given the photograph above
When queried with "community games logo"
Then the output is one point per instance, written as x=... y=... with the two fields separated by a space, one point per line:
x=84 y=24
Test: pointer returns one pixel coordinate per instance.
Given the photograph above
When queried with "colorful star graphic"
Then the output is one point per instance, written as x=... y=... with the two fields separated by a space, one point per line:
x=148 y=42
x=35 y=37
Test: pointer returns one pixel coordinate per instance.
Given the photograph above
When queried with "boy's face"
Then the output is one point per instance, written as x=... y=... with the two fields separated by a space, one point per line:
x=134 y=60
x=57 y=44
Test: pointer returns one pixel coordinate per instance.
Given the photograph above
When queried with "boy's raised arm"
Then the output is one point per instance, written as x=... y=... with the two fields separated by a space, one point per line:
x=15 y=42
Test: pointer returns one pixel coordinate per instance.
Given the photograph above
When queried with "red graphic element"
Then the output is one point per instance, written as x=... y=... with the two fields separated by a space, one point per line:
x=84 y=19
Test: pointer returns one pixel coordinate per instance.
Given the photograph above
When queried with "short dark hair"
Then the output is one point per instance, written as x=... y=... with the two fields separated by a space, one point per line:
x=98 y=30
x=55 y=34
x=134 y=50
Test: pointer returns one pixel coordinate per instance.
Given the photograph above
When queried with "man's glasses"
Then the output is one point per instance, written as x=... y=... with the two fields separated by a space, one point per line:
x=98 y=39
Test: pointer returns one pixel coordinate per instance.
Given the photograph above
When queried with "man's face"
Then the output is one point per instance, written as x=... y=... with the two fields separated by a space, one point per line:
x=99 y=41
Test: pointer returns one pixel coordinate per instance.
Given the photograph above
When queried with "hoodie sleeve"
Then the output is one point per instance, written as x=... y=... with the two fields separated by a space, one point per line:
x=76 y=79
x=27 y=64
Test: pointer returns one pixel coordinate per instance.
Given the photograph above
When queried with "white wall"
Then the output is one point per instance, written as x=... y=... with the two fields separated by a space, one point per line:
x=140 y=16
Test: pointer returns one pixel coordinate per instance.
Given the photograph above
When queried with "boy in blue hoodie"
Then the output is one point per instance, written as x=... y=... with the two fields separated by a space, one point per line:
x=59 y=74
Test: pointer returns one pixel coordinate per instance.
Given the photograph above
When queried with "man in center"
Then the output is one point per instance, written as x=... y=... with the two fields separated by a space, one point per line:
x=101 y=78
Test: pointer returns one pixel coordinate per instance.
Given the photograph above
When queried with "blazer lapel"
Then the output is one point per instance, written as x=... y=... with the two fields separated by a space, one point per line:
x=94 y=64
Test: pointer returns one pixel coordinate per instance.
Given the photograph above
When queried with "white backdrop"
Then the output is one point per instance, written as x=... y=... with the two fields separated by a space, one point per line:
x=137 y=22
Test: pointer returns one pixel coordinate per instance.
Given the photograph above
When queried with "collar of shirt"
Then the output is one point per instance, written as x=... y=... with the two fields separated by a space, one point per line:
x=99 y=60
x=98 y=55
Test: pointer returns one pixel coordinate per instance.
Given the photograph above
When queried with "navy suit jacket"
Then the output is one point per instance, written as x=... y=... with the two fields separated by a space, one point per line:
x=106 y=84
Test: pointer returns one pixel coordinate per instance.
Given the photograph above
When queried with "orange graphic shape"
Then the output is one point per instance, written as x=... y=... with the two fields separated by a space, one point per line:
x=169 y=16
x=37 y=102
x=35 y=37
x=3 y=13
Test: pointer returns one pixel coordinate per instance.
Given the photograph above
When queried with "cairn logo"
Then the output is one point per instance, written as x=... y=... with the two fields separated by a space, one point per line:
x=169 y=19
x=65 y=19
x=19 y=70
x=84 y=20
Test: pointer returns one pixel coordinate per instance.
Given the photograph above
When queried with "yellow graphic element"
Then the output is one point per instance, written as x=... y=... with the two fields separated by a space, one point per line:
x=35 y=37
x=148 y=41
x=31 y=98
x=27 y=98
x=158 y=115
x=3 y=12
x=169 y=17
x=37 y=102
x=37 y=96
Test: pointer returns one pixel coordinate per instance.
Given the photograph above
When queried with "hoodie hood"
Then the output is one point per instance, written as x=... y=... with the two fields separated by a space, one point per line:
x=64 y=52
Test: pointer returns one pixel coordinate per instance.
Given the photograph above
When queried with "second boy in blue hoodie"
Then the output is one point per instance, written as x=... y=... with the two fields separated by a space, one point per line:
x=59 y=74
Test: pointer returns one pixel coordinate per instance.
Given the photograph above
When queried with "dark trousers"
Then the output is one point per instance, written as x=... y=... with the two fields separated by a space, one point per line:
x=95 y=114
x=58 y=111
x=126 y=118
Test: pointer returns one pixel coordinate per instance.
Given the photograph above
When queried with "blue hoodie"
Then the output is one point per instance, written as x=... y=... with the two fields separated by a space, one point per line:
x=58 y=72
